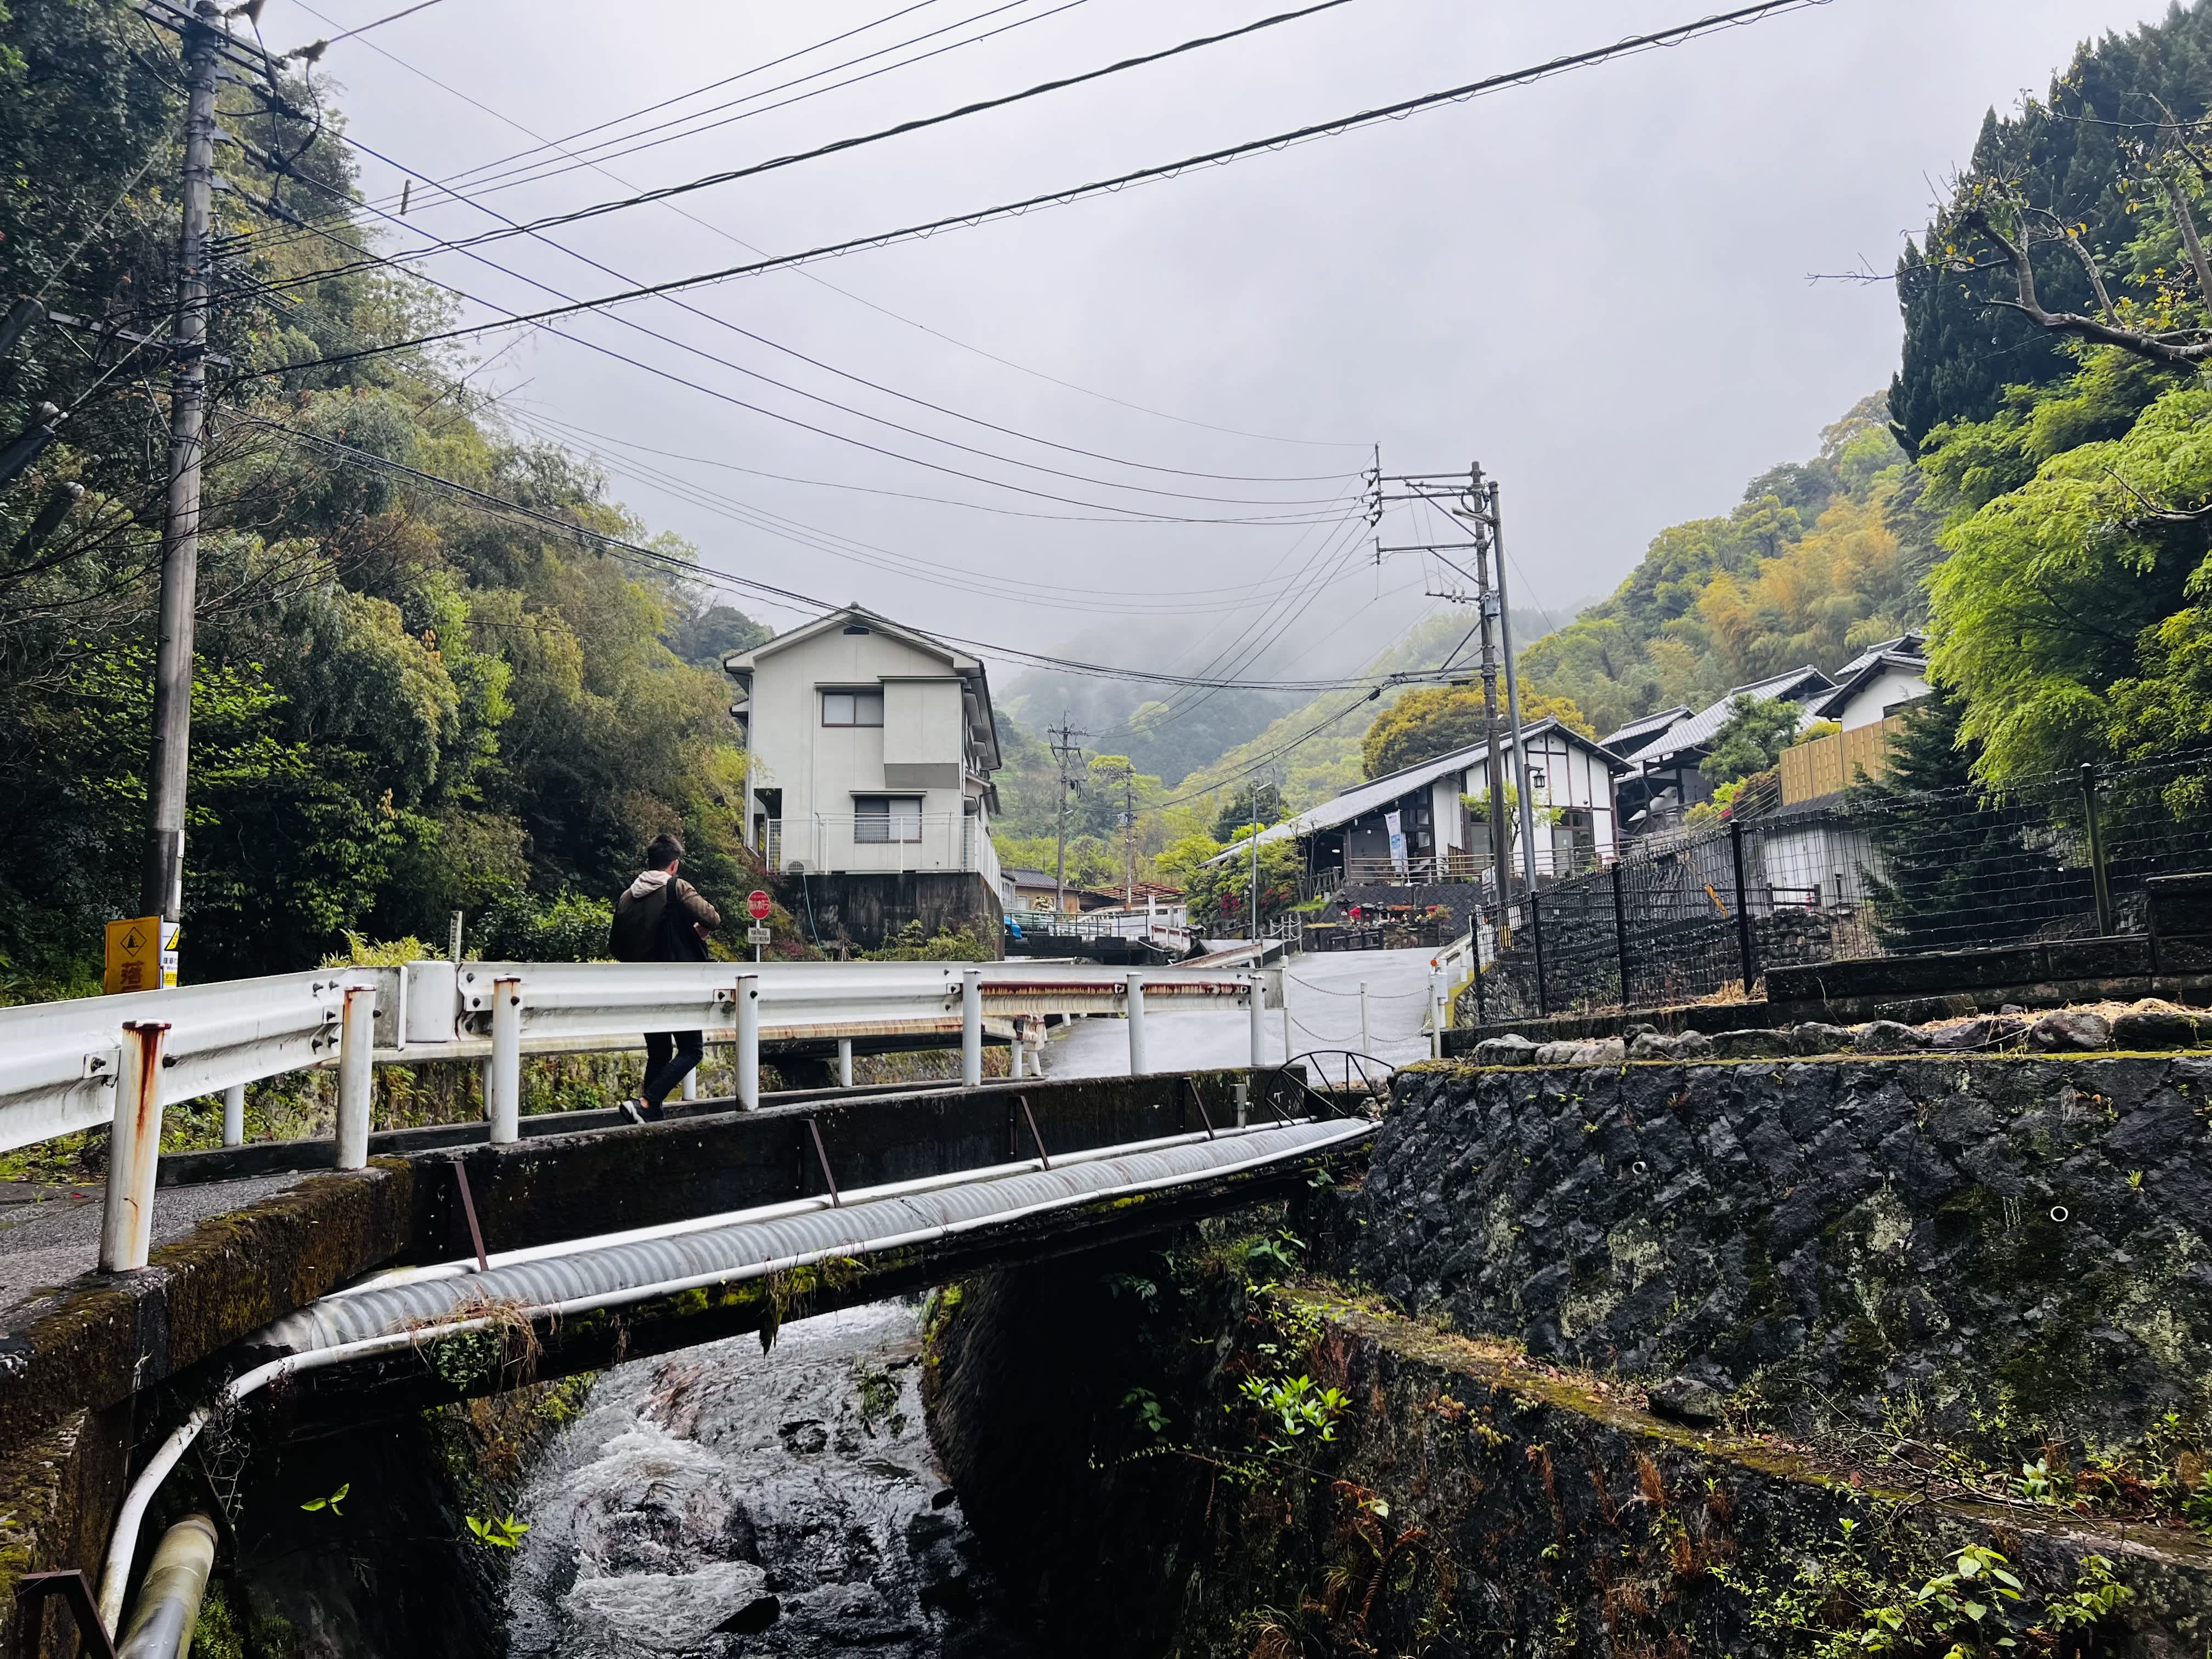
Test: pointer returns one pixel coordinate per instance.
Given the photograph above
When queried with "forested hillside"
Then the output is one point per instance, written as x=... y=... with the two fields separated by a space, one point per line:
x=405 y=704
x=1821 y=559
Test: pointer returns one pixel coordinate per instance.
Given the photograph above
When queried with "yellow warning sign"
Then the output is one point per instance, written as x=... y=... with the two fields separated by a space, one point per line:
x=142 y=955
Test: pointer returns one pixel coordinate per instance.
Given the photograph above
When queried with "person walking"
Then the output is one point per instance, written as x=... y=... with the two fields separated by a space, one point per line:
x=662 y=918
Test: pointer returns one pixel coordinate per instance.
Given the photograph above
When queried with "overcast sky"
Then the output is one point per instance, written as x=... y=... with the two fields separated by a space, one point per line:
x=1595 y=285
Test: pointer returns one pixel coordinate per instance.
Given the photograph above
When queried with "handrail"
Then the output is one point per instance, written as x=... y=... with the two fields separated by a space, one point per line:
x=71 y=1066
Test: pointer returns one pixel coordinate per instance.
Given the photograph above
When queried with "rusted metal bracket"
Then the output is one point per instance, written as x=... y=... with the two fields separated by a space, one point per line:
x=1198 y=1096
x=1044 y=1156
x=822 y=1158
x=32 y=1591
x=469 y=1209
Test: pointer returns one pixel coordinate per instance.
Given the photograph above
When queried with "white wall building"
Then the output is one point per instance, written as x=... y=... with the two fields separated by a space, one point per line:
x=869 y=748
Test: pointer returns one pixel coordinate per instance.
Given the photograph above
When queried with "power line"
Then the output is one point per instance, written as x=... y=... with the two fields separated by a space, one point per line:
x=691 y=569
x=485 y=178
x=1131 y=512
x=839 y=146
x=1675 y=36
x=819 y=280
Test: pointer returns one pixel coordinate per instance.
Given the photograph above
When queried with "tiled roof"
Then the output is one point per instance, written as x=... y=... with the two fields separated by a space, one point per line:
x=1704 y=725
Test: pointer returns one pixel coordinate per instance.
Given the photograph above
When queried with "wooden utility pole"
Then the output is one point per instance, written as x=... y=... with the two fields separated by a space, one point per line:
x=162 y=891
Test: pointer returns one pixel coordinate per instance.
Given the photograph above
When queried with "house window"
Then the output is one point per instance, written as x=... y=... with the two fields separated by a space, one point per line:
x=878 y=818
x=852 y=708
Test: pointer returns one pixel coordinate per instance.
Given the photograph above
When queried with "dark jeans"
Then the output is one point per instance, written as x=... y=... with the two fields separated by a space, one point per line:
x=669 y=1058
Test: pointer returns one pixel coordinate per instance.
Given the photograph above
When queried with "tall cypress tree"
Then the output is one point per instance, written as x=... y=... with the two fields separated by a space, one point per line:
x=1957 y=869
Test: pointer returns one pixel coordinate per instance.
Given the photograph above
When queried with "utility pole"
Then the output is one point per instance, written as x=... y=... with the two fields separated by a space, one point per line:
x=1497 y=527
x=1067 y=748
x=1129 y=839
x=162 y=893
x=1472 y=500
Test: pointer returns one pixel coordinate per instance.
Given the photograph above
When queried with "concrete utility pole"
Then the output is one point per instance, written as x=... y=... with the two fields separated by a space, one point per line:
x=1129 y=839
x=162 y=892
x=1067 y=748
x=1497 y=528
x=1475 y=504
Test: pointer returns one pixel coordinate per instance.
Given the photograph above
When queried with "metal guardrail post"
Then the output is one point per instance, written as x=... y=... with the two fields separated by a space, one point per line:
x=1437 y=1013
x=1255 y=1005
x=1746 y=961
x=691 y=1085
x=503 y=1078
x=2097 y=871
x=134 y=1150
x=1620 y=935
x=748 y=1012
x=357 y=1074
x=234 y=1115
x=1136 y=1013
x=844 y=1062
x=1366 y=1043
x=971 y=1026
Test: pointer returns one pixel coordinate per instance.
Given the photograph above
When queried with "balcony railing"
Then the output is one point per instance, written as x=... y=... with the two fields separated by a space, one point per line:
x=893 y=842
x=1425 y=868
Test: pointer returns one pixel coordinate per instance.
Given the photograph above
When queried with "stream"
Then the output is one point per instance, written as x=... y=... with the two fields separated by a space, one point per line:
x=719 y=1501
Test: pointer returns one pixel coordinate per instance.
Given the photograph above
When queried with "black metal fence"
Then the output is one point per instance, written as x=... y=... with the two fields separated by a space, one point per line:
x=1705 y=913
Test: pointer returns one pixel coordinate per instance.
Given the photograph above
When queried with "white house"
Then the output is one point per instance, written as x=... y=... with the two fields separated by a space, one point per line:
x=869 y=748
x=1438 y=838
x=1877 y=682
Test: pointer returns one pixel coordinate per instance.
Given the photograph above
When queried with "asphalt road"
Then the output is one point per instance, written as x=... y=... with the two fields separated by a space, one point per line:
x=1324 y=992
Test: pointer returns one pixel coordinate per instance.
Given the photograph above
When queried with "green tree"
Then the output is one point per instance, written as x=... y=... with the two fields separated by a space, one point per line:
x=1435 y=720
x=1955 y=871
x=1260 y=803
x=1757 y=730
x=1221 y=894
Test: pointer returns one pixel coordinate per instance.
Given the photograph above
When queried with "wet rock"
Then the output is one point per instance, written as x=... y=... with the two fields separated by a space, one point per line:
x=1686 y=1400
x=1650 y=1045
x=2070 y=1028
x=2011 y=1008
x=1609 y=1052
x=1752 y=1044
x=1693 y=1045
x=1556 y=1053
x=1983 y=1035
x=722 y=1501
x=1814 y=1038
x=1510 y=1050
x=2160 y=1030
x=1887 y=1037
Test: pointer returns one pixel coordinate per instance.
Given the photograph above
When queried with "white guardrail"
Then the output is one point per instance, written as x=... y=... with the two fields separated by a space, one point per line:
x=66 y=1067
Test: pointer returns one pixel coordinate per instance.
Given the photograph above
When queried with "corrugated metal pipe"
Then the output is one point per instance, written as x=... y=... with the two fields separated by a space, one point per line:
x=426 y=1306
x=169 y=1600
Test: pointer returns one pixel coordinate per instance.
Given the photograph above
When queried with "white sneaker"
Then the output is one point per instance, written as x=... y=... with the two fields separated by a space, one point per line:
x=632 y=1109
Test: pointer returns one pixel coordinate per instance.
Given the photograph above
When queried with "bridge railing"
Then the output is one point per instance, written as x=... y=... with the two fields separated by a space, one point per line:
x=67 y=1066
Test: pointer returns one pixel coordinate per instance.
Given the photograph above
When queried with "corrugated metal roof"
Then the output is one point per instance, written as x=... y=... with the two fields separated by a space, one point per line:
x=1702 y=727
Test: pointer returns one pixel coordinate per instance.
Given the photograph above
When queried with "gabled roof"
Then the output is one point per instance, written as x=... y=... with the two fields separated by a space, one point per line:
x=1640 y=734
x=1021 y=878
x=970 y=669
x=742 y=662
x=1702 y=727
x=1866 y=668
x=1378 y=792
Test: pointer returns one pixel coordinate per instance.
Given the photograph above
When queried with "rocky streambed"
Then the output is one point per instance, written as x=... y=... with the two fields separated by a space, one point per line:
x=722 y=1501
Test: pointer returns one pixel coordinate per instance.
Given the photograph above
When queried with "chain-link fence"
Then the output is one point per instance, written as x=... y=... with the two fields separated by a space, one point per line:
x=1704 y=912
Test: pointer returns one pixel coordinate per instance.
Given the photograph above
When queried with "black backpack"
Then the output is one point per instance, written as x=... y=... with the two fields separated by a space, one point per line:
x=635 y=936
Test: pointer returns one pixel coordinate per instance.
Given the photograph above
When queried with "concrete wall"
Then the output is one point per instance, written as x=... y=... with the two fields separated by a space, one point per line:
x=865 y=910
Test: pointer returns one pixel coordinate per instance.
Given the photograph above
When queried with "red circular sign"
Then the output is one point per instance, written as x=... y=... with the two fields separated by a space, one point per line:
x=758 y=904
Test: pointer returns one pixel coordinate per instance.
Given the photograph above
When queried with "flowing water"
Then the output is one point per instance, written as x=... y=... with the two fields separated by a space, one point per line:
x=718 y=1502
